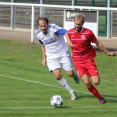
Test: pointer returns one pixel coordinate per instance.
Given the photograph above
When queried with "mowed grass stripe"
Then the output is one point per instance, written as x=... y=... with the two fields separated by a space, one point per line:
x=48 y=85
x=23 y=60
x=85 y=107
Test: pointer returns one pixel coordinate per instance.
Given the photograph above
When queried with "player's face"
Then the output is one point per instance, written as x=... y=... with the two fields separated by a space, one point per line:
x=43 y=26
x=78 y=24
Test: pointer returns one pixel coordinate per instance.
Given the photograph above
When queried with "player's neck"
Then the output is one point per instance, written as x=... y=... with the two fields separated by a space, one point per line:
x=45 y=33
x=78 y=31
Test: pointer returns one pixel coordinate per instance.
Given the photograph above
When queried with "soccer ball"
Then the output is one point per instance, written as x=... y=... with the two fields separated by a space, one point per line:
x=56 y=101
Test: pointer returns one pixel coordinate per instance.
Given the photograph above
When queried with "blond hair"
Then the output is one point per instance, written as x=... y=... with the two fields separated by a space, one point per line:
x=80 y=16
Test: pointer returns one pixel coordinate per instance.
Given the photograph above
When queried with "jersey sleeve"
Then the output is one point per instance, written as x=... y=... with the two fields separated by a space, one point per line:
x=61 y=32
x=92 y=37
x=37 y=34
x=40 y=42
x=58 y=30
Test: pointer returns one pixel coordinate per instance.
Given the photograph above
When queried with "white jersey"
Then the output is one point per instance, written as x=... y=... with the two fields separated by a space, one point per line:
x=53 y=41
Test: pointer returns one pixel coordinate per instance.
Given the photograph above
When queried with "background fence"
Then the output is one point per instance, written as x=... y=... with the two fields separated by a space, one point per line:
x=55 y=15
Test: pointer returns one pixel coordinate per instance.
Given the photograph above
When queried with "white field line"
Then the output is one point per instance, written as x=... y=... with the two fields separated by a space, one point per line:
x=38 y=83
x=87 y=107
x=48 y=85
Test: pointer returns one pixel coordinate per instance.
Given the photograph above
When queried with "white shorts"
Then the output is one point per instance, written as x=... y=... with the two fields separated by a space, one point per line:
x=64 y=62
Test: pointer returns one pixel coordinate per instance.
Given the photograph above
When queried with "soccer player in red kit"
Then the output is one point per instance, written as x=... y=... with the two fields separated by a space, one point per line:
x=79 y=39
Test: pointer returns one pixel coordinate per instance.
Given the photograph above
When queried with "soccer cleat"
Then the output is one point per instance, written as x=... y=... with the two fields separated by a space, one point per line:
x=76 y=78
x=73 y=95
x=102 y=100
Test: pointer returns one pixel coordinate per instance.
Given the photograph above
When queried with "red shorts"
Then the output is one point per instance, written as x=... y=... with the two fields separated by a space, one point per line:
x=88 y=68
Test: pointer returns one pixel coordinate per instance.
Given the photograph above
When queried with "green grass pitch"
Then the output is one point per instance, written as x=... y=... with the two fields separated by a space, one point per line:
x=26 y=86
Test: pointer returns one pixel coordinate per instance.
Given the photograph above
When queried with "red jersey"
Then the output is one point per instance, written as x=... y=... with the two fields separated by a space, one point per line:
x=82 y=50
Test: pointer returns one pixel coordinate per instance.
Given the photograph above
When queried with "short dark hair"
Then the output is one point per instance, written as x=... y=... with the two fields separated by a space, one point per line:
x=43 y=19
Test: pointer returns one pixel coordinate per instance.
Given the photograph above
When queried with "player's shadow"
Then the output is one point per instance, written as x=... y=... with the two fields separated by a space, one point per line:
x=108 y=99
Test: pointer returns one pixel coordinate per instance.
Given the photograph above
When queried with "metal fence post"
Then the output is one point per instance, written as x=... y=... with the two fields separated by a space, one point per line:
x=108 y=20
x=12 y=15
x=42 y=12
x=93 y=2
x=32 y=25
x=73 y=3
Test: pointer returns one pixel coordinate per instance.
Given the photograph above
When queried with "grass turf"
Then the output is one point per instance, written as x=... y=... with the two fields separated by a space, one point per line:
x=26 y=86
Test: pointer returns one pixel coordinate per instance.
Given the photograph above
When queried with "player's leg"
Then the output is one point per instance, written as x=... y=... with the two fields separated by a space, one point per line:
x=73 y=74
x=93 y=72
x=92 y=89
x=67 y=66
x=89 y=86
x=84 y=75
x=64 y=83
x=95 y=79
x=54 y=66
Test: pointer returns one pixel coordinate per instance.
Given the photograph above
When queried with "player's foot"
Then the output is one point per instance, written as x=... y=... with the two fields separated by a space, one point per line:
x=76 y=78
x=102 y=100
x=73 y=95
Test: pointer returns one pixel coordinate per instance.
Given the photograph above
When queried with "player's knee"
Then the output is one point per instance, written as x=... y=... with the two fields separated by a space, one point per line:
x=70 y=73
x=58 y=77
x=87 y=82
x=96 y=82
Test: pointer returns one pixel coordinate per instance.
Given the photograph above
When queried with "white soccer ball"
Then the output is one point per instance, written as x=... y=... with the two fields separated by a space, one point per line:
x=56 y=101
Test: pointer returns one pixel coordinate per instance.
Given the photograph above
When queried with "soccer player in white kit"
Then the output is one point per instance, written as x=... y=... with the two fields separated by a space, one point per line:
x=55 y=52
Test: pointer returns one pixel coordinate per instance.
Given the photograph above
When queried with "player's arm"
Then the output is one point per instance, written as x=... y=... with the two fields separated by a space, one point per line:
x=58 y=30
x=102 y=48
x=44 y=55
x=93 y=39
x=68 y=40
x=62 y=31
x=43 y=52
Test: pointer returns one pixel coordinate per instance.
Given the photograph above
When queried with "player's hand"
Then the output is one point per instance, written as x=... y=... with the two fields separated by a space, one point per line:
x=44 y=62
x=111 y=54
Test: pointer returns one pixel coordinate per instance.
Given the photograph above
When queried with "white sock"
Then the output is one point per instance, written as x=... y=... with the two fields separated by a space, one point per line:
x=64 y=83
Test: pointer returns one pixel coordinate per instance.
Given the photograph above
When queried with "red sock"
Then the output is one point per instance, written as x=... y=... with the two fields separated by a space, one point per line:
x=94 y=91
